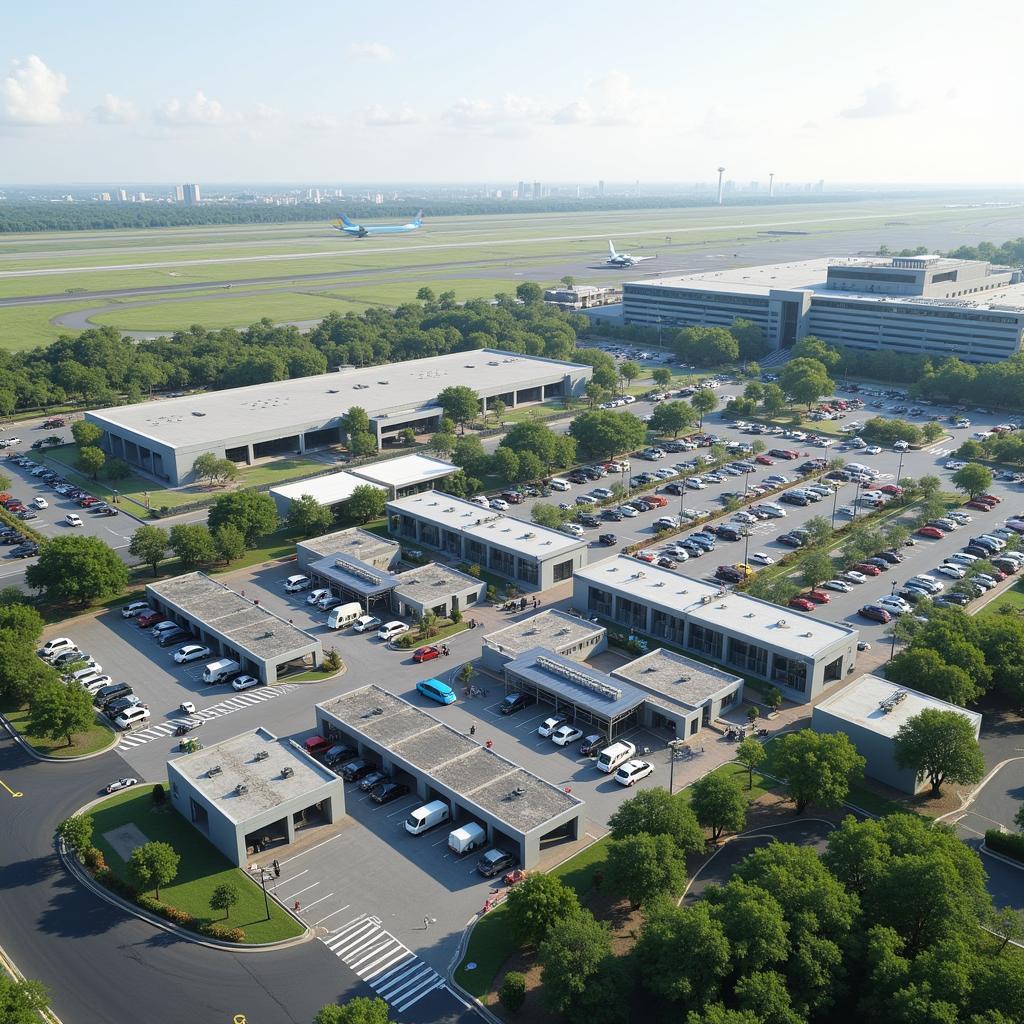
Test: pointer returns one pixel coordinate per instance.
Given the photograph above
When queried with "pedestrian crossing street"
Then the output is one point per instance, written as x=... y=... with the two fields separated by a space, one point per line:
x=238 y=702
x=378 y=958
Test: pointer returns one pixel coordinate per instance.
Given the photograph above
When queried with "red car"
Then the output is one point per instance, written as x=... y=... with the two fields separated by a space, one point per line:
x=644 y=556
x=818 y=596
x=426 y=653
x=668 y=563
x=802 y=604
x=147 y=620
x=764 y=460
x=892 y=489
x=981 y=506
x=87 y=501
x=990 y=498
x=931 y=531
x=868 y=569
x=876 y=612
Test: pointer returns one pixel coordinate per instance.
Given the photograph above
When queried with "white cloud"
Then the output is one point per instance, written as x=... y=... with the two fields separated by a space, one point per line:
x=199 y=110
x=265 y=112
x=882 y=100
x=31 y=94
x=371 y=51
x=319 y=122
x=381 y=117
x=467 y=112
x=114 y=110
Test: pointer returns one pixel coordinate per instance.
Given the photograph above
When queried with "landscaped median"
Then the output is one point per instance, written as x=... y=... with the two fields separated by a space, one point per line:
x=202 y=875
x=96 y=739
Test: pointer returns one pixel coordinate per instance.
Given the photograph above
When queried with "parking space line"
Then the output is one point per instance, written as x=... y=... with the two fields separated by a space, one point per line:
x=331 y=914
x=402 y=810
x=301 y=891
x=315 y=902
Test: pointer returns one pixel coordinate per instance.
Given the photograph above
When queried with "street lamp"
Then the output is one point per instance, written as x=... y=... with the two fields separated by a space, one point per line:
x=856 y=500
x=673 y=747
x=899 y=471
x=835 y=502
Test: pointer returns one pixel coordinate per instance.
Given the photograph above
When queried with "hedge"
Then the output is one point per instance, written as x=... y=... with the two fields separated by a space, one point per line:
x=1011 y=844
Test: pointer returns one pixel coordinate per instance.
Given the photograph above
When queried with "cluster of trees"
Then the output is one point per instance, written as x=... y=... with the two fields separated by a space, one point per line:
x=959 y=658
x=1005 y=448
x=886 y=432
x=701 y=346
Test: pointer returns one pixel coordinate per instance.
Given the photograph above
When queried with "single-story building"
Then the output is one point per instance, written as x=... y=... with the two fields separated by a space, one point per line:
x=567 y=635
x=406 y=474
x=331 y=490
x=232 y=626
x=533 y=557
x=435 y=588
x=352 y=579
x=870 y=712
x=253 y=788
x=520 y=811
x=370 y=548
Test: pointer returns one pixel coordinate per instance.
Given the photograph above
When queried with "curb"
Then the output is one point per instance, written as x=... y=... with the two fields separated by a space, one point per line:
x=999 y=856
x=32 y=752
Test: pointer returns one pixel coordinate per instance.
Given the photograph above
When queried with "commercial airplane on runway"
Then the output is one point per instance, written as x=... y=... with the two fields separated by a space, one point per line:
x=361 y=231
x=623 y=259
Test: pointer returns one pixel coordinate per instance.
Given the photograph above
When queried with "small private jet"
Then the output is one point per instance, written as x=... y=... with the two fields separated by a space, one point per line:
x=362 y=230
x=623 y=259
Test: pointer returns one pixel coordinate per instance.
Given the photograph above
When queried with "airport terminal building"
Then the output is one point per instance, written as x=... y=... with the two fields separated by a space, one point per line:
x=913 y=305
x=163 y=438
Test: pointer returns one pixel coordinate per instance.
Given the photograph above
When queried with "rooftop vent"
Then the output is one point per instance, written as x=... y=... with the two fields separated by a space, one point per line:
x=807 y=634
x=241 y=789
x=196 y=412
x=287 y=772
x=215 y=770
x=383 y=382
x=782 y=624
x=261 y=755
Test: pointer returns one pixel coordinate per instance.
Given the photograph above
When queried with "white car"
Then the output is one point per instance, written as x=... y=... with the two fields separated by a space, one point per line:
x=56 y=646
x=73 y=519
x=365 y=623
x=499 y=504
x=573 y=529
x=953 y=571
x=666 y=523
x=872 y=449
x=601 y=492
x=121 y=784
x=847 y=510
x=40 y=502
x=955 y=464
x=632 y=772
x=893 y=602
x=296 y=583
x=695 y=483
x=317 y=595
x=900 y=446
x=191 y=652
x=549 y=725
x=244 y=682
x=565 y=735
x=628 y=511
x=392 y=629
x=855 y=577
x=745 y=517
x=762 y=558
x=841 y=585
x=134 y=609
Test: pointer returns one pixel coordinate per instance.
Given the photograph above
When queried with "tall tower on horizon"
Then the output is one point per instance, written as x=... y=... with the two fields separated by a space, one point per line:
x=721 y=171
x=771 y=184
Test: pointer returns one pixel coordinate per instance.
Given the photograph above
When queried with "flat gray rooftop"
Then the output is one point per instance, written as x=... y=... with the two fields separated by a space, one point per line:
x=406 y=470
x=267 y=788
x=551 y=628
x=249 y=627
x=355 y=575
x=680 y=679
x=479 y=776
x=428 y=583
x=362 y=544
x=329 y=489
x=286 y=406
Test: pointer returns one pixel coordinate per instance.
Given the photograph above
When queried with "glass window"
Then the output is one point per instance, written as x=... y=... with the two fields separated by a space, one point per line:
x=562 y=571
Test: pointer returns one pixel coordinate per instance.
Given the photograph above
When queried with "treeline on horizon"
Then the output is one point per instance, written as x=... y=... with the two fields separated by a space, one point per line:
x=1010 y=253
x=98 y=216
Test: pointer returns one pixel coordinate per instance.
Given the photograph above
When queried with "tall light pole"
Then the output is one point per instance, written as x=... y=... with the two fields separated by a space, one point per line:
x=899 y=471
x=771 y=184
x=721 y=171
x=835 y=502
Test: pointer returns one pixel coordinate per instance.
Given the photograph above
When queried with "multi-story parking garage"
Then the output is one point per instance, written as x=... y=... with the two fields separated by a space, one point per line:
x=292 y=416
x=520 y=811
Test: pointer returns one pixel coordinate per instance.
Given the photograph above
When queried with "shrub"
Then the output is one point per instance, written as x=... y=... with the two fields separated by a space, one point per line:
x=218 y=931
x=1011 y=844
x=94 y=860
x=176 y=916
x=513 y=991
x=158 y=794
x=492 y=593
x=147 y=902
x=107 y=878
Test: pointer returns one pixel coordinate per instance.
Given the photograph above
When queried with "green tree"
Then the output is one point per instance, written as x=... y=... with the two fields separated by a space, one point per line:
x=76 y=832
x=193 y=544
x=805 y=380
x=672 y=418
x=360 y=1010
x=657 y=813
x=931 y=431
x=596 y=393
x=497 y=409
x=765 y=993
x=940 y=745
x=774 y=401
x=1008 y=925
x=815 y=568
x=750 y=340
x=754 y=391
x=629 y=371
x=641 y=867
x=548 y=515
x=513 y=991
x=751 y=754
x=754 y=922
x=408 y=436
x=924 y=669
x=662 y=376
x=506 y=463
x=810 y=347
x=818 y=768
x=57 y=709
x=362 y=444
x=365 y=503
x=149 y=545
x=78 y=569
x=355 y=421
x=460 y=403
x=719 y=804
x=91 y=459
x=604 y=433
x=253 y=513
x=703 y=402
x=22 y=1002
x=972 y=479
x=571 y=956
x=210 y=467
x=426 y=294
x=86 y=434
x=536 y=905
x=224 y=897
x=307 y=517
x=442 y=445
x=152 y=865
x=529 y=293
x=779 y=589
x=228 y=542
x=716 y=1013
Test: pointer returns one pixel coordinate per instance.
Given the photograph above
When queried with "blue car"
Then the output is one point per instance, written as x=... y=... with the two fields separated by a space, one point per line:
x=436 y=690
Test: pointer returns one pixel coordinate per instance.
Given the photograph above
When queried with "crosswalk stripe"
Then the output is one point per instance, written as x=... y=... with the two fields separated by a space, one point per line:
x=428 y=986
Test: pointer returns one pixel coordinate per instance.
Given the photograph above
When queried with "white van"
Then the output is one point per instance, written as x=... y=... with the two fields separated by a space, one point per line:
x=296 y=583
x=556 y=483
x=467 y=837
x=426 y=817
x=344 y=615
x=617 y=754
x=131 y=717
x=221 y=671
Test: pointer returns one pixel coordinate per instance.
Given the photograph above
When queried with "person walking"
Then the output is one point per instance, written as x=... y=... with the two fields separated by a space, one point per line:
x=472 y=729
x=426 y=923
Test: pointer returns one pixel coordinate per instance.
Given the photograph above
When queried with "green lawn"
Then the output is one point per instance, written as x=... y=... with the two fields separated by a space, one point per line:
x=873 y=803
x=1011 y=598
x=201 y=870
x=24 y=327
x=96 y=737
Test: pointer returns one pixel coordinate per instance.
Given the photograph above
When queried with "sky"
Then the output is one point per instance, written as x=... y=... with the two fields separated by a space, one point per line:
x=335 y=92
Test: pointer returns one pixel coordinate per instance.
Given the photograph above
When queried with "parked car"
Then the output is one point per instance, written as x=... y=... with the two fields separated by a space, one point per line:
x=388 y=791
x=191 y=652
x=121 y=784
x=593 y=744
x=566 y=734
x=632 y=772
x=365 y=623
x=876 y=612
x=73 y=519
x=608 y=539
x=356 y=770
x=801 y=604
x=392 y=629
x=372 y=780
x=494 y=862
x=244 y=682
x=550 y=725
x=514 y=702
x=427 y=653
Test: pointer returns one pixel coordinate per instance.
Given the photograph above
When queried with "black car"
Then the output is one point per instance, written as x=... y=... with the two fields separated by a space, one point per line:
x=977 y=550
x=890 y=556
x=173 y=636
x=338 y=754
x=25 y=550
x=494 y=862
x=675 y=488
x=388 y=791
x=608 y=538
x=374 y=779
x=355 y=770
x=27 y=513
x=791 y=541
x=882 y=564
x=11 y=537
x=108 y=511
x=105 y=696
x=612 y=515
x=641 y=506
x=593 y=745
x=514 y=702
x=588 y=519
x=952 y=600
x=119 y=704
x=67 y=657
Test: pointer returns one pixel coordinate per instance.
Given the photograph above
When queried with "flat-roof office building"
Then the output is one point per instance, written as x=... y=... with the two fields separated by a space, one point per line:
x=163 y=438
x=914 y=305
x=798 y=653
x=532 y=556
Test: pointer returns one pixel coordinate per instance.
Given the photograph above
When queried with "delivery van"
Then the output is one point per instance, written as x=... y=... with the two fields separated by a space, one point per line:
x=344 y=615
x=556 y=483
x=221 y=671
x=617 y=754
x=466 y=837
x=426 y=817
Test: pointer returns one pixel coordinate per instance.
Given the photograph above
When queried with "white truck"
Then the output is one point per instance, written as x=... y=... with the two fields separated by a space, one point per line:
x=466 y=837
x=617 y=754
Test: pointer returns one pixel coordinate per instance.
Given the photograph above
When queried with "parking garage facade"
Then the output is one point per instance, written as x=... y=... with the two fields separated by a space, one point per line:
x=520 y=812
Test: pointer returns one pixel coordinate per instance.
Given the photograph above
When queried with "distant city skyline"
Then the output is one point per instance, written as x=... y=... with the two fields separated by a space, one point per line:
x=883 y=93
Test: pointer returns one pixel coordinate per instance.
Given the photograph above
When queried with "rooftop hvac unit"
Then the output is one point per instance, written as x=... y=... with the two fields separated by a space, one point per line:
x=782 y=624
x=215 y=770
x=241 y=789
x=261 y=755
x=287 y=773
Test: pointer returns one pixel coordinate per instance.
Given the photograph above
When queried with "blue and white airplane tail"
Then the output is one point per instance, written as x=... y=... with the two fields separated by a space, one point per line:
x=347 y=222
x=611 y=249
